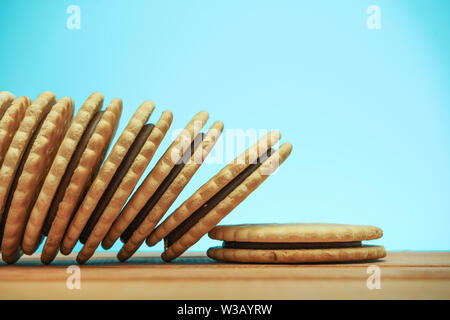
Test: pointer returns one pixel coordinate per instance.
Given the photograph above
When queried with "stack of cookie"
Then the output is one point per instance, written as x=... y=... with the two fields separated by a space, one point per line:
x=60 y=186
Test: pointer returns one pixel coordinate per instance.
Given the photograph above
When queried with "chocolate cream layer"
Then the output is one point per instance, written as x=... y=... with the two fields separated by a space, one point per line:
x=289 y=245
x=140 y=217
x=15 y=181
x=187 y=224
x=120 y=173
x=71 y=167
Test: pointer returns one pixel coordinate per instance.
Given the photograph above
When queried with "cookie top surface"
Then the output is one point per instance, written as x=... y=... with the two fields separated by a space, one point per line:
x=295 y=232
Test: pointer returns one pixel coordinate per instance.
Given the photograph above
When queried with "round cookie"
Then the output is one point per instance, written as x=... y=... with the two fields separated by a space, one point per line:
x=295 y=232
x=105 y=175
x=80 y=174
x=297 y=256
x=128 y=176
x=6 y=98
x=214 y=185
x=155 y=178
x=154 y=210
x=295 y=243
x=10 y=122
x=34 y=116
x=33 y=231
x=211 y=203
x=37 y=161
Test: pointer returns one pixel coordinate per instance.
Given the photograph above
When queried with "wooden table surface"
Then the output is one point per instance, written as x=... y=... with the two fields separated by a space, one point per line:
x=403 y=275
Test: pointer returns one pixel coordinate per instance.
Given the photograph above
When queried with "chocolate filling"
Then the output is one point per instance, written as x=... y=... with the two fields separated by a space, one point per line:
x=73 y=164
x=289 y=245
x=187 y=224
x=15 y=181
x=120 y=173
x=126 y=235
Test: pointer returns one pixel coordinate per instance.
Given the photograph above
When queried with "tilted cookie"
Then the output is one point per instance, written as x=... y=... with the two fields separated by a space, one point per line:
x=6 y=98
x=10 y=122
x=295 y=243
x=65 y=155
x=120 y=187
x=120 y=153
x=22 y=140
x=147 y=207
x=36 y=162
x=80 y=172
x=219 y=196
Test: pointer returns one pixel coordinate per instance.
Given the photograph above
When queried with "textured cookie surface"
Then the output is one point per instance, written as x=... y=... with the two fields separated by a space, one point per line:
x=295 y=232
x=233 y=199
x=105 y=175
x=125 y=188
x=34 y=170
x=10 y=122
x=33 y=117
x=297 y=255
x=214 y=185
x=50 y=185
x=163 y=204
x=6 y=98
x=82 y=177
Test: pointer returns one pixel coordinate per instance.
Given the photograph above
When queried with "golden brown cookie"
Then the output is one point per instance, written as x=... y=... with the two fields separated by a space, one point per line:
x=213 y=186
x=25 y=134
x=135 y=227
x=37 y=161
x=295 y=232
x=84 y=116
x=123 y=183
x=295 y=243
x=158 y=174
x=219 y=196
x=6 y=98
x=105 y=175
x=80 y=173
x=10 y=122
x=297 y=256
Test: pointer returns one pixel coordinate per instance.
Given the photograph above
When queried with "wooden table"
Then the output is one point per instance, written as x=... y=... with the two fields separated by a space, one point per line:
x=404 y=275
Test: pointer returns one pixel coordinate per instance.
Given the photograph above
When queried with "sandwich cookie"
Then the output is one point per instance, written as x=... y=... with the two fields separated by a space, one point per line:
x=19 y=149
x=6 y=98
x=295 y=243
x=9 y=123
x=172 y=158
x=148 y=205
x=34 y=166
x=219 y=196
x=69 y=152
x=105 y=222
x=79 y=171
x=94 y=218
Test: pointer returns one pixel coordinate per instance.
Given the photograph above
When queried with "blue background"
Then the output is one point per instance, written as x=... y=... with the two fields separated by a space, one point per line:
x=366 y=110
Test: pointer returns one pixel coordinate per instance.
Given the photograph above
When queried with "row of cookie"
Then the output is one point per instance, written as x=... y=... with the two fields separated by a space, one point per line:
x=58 y=186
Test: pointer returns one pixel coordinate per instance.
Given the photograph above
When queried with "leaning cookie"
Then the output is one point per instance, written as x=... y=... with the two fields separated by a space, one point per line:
x=119 y=189
x=295 y=243
x=155 y=179
x=35 y=164
x=9 y=123
x=22 y=141
x=80 y=171
x=219 y=196
x=65 y=155
x=6 y=99
x=140 y=217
